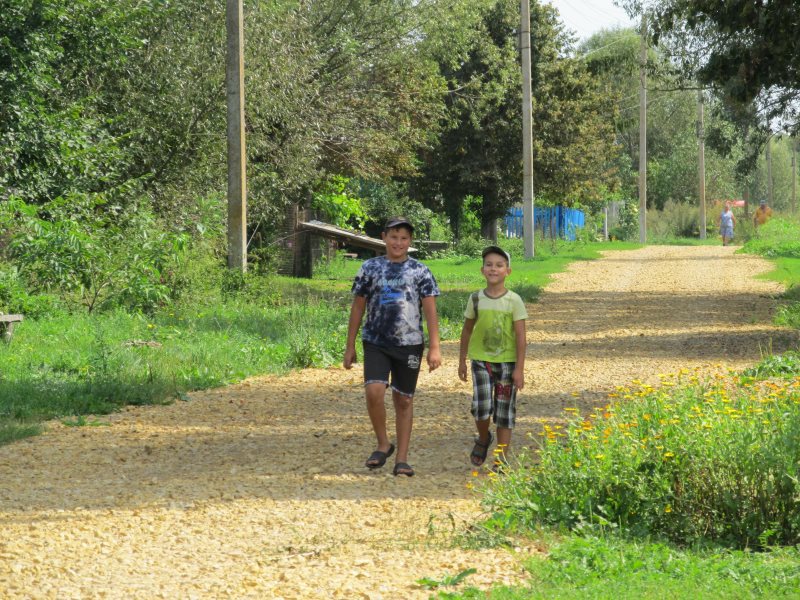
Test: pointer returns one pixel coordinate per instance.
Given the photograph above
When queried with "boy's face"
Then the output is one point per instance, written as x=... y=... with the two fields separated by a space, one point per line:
x=495 y=268
x=398 y=241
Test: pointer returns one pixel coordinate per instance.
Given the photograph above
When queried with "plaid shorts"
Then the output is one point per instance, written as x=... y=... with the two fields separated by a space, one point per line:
x=494 y=393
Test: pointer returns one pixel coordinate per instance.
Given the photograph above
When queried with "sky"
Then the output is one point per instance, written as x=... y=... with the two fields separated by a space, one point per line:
x=586 y=17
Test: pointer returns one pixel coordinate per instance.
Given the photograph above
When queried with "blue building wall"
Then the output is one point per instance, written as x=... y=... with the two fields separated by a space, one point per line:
x=556 y=221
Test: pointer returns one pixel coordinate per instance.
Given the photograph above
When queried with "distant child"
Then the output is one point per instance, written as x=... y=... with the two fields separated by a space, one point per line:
x=395 y=291
x=493 y=337
x=726 y=224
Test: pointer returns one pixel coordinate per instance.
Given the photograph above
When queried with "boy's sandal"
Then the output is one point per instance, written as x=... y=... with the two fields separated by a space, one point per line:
x=480 y=450
x=378 y=458
x=402 y=468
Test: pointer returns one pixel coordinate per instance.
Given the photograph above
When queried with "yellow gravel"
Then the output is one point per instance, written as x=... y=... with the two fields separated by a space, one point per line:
x=258 y=490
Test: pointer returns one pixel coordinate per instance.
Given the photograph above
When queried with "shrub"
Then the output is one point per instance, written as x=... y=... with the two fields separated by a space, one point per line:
x=776 y=238
x=627 y=227
x=70 y=247
x=675 y=220
x=471 y=247
x=14 y=298
x=689 y=461
x=776 y=365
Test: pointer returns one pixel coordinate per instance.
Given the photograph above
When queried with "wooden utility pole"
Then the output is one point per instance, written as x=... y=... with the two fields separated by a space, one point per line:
x=701 y=175
x=643 y=133
x=527 y=128
x=237 y=180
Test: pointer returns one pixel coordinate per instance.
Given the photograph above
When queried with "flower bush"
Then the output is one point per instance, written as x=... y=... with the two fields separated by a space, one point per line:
x=690 y=460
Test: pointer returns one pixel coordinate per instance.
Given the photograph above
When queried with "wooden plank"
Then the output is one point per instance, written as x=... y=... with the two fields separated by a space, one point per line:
x=11 y=318
x=351 y=237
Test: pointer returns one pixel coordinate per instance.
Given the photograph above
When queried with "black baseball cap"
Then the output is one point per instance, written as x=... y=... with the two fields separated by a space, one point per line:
x=496 y=250
x=398 y=222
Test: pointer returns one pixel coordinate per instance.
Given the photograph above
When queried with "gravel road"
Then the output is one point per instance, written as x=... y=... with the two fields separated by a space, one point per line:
x=258 y=490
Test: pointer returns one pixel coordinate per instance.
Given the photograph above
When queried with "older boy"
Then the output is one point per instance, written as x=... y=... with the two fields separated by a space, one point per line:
x=392 y=289
x=493 y=337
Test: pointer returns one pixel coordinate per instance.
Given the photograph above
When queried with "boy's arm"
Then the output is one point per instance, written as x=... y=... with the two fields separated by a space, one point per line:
x=431 y=318
x=522 y=345
x=356 y=313
x=466 y=333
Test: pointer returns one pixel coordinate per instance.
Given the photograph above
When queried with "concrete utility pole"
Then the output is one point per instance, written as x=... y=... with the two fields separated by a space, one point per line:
x=768 y=158
x=794 y=175
x=237 y=179
x=527 y=129
x=701 y=139
x=643 y=133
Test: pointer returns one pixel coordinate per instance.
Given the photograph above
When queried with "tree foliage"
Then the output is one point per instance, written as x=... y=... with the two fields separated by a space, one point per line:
x=479 y=152
x=746 y=50
x=336 y=87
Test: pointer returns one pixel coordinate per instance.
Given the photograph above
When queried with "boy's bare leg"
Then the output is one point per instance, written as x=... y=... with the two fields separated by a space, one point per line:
x=483 y=430
x=376 y=409
x=503 y=442
x=404 y=418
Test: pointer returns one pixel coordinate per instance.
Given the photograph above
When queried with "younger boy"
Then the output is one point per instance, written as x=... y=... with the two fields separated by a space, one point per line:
x=494 y=338
x=392 y=289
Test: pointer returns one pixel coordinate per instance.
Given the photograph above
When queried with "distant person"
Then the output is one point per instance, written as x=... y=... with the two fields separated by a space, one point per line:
x=726 y=224
x=493 y=337
x=395 y=291
x=762 y=214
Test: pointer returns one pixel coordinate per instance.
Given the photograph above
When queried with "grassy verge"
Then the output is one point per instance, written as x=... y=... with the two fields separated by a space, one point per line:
x=70 y=365
x=779 y=241
x=608 y=567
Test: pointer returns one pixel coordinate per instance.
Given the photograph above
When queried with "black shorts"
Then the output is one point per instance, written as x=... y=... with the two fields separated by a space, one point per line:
x=403 y=362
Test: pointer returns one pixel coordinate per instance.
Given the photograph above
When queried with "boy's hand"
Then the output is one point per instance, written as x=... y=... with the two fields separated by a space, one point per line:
x=434 y=359
x=518 y=377
x=462 y=370
x=349 y=358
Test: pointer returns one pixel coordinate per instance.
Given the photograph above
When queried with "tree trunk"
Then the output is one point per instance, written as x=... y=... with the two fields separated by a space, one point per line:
x=489 y=230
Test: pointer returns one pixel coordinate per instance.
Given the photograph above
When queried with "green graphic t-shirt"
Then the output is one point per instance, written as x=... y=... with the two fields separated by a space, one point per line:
x=493 y=337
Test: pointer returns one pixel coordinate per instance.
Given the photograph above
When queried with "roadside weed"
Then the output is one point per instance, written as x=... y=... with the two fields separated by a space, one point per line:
x=446 y=580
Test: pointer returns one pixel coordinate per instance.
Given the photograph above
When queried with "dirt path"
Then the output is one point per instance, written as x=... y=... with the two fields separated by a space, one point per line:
x=258 y=490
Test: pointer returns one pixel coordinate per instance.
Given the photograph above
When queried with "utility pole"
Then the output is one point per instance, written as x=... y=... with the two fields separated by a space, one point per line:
x=527 y=129
x=794 y=175
x=768 y=157
x=237 y=180
x=701 y=139
x=643 y=133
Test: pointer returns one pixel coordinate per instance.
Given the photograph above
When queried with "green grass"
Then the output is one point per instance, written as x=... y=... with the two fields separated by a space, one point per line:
x=712 y=240
x=74 y=365
x=68 y=366
x=779 y=242
x=607 y=567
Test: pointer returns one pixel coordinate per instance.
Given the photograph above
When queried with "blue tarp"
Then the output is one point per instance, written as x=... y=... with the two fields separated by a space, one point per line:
x=555 y=221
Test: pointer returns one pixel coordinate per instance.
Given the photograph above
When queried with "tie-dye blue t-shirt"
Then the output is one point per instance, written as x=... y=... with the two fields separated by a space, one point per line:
x=394 y=293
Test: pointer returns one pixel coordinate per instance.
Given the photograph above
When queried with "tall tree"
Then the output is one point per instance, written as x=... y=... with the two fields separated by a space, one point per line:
x=336 y=88
x=746 y=49
x=479 y=152
x=672 y=146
